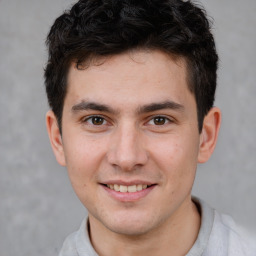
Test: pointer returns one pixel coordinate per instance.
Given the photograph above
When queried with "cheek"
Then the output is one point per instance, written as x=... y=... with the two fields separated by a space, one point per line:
x=168 y=151
x=83 y=157
x=176 y=156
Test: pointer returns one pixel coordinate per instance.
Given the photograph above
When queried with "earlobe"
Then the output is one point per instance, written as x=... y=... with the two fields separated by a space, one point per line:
x=55 y=137
x=209 y=134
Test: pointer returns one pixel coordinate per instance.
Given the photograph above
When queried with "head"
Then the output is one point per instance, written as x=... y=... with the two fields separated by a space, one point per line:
x=94 y=29
x=131 y=85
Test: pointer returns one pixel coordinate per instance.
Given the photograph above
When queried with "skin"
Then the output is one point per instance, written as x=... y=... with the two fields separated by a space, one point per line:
x=146 y=131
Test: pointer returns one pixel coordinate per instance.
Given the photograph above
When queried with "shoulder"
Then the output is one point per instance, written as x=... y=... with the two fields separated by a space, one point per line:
x=225 y=238
x=78 y=243
x=69 y=246
x=228 y=236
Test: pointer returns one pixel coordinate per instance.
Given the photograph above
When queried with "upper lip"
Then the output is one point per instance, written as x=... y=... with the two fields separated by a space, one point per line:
x=128 y=183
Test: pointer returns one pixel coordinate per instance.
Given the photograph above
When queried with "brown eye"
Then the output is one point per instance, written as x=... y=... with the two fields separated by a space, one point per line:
x=97 y=120
x=159 y=120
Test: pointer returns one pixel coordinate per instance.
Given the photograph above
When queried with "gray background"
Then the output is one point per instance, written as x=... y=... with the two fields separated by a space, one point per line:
x=38 y=208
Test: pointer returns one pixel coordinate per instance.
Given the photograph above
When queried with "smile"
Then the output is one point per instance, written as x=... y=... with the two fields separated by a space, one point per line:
x=129 y=192
x=129 y=189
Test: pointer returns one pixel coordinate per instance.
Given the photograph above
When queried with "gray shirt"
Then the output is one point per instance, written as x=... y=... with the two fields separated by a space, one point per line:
x=217 y=236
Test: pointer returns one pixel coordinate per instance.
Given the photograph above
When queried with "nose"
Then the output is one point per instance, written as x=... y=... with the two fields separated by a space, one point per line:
x=127 y=151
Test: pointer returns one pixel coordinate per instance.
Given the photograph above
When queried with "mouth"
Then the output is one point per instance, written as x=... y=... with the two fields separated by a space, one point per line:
x=128 y=192
x=129 y=189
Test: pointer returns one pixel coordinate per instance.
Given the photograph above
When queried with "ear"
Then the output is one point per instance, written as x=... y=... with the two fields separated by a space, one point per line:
x=55 y=137
x=209 y=134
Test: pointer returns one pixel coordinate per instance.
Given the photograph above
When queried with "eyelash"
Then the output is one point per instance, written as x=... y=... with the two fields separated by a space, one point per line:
x=152 y=119
x=163 y=118
x=87 y=120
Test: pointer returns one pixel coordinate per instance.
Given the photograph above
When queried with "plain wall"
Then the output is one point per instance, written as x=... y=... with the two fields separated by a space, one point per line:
x=38 y=208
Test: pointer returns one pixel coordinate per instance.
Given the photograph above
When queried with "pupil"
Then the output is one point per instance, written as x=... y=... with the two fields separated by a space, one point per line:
x=159 y=120
x=97 y=120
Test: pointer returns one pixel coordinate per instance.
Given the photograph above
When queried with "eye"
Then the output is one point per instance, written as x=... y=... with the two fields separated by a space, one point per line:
x=96 y=120
x=159 y=120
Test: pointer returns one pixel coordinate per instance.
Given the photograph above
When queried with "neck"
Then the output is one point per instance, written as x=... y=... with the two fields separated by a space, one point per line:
x=176 y=235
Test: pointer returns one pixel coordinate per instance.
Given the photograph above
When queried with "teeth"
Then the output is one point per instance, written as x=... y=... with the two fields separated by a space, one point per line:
x=116 y=187
x=139 y=187
x=132 y=189
x=124 y=189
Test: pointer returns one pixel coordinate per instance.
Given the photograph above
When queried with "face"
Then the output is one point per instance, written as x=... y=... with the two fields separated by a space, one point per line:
x=130 y=140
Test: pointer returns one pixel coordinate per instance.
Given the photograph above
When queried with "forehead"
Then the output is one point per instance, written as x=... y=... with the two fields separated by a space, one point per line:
x=136 y=77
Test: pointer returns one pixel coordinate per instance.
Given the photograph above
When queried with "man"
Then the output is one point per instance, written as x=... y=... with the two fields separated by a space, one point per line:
x=131 y=88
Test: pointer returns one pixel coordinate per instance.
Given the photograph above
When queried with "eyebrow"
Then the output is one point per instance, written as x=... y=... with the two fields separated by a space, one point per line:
x=85 y=105
x=159 y=106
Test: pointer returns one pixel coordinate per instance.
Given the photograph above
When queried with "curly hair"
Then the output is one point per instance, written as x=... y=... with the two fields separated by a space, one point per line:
x=93 y=28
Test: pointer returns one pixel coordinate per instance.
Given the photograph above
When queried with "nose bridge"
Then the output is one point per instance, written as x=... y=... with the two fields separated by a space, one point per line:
x=127 y=149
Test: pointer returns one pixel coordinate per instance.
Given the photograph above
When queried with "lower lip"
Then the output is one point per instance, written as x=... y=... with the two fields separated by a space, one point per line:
x=128 y=197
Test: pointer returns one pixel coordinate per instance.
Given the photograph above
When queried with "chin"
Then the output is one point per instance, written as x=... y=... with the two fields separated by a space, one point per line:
x=130 y=229
x=131 y=225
